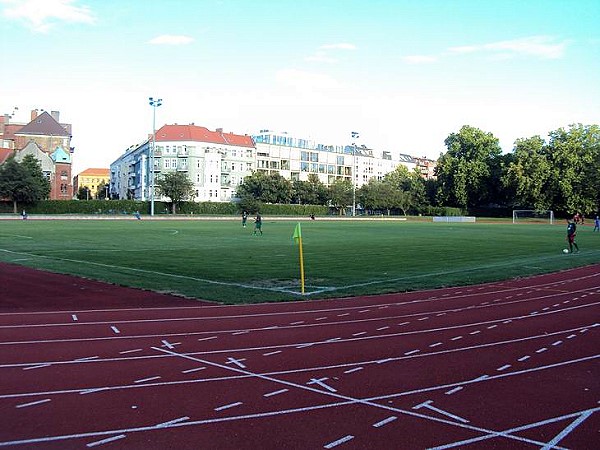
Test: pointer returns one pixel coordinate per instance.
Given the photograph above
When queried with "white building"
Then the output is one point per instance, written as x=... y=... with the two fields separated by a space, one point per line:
x=217 y=162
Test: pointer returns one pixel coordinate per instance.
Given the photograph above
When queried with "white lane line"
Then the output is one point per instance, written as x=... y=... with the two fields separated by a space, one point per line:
x=423 y=318
x=541 y=350
x=342 y=315
x=504 y=367
x=524 y=358
x=359 y=334
x=456 y=338
x=74 y=317
x=195 y=369
x=385 y=421
x=230 y=405
x=297 y=323
x=382 y=328
x=39 y=402
x=339 y=441
x=207 y=338
x=39 y=366
x=106 y=441
x=557 y=343
x=271 y=394
x=382 y=361
x=453 y=391
x=475 y=332
x=436 y=344
x=559 y=437
x=135 y=350
x=173 y=422
x=143 y=380
x=237 y=362
x=167 y=344
x=91 y=391
x=364 y=311
x=403 y=323
x=491 y=327
x=321 y=318
x=310 y=344
x=412 y=352
x=88 y=358
x=571 y=336
x=240 y=332
x=333 y=339
x=272 y=353
x=428 y=404
x=320 y=382
x=356 y=369
x=115 y=329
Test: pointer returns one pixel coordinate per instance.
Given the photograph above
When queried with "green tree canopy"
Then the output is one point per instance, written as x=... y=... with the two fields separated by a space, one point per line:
x=310 y=192
x=23 y=182
x=266 y=188
x=176 y=186
x=467 y=171
x=339 y=194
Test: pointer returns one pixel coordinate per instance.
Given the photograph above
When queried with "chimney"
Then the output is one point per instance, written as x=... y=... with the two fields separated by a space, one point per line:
x=55 y=115
x=34 y=114
x=219 y=130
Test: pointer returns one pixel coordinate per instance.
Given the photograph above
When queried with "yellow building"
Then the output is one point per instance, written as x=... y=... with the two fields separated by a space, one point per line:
x=92 y=179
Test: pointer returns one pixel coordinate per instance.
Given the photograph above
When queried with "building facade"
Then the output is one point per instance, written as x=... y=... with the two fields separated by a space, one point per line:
x=91 y=179
x=218 y=162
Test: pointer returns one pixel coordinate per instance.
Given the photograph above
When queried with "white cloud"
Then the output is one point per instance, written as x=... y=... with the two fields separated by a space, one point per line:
x=321 y=57
x=41 y=15
x=419 y=59
x=340 y=46
x=170 y=39
x=544 y=47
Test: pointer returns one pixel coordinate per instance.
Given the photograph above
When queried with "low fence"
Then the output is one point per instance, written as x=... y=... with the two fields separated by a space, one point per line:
x=454 y=219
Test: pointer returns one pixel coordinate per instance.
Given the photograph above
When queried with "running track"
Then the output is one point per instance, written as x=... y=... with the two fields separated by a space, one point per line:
x=509 y=365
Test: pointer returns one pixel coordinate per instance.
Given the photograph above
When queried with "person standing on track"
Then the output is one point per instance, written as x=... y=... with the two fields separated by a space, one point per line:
x=571 y=233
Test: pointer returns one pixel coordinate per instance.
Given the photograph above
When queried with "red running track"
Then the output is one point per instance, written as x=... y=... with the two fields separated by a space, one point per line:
x=506 y=365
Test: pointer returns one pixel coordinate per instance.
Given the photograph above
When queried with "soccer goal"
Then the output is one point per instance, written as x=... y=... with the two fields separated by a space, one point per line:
x=533 y=216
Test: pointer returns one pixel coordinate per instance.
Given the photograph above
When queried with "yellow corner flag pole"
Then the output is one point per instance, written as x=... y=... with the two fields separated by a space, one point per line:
x=298 y=238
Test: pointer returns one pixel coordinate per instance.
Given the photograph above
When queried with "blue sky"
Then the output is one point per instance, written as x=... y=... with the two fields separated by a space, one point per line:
x=404 y=73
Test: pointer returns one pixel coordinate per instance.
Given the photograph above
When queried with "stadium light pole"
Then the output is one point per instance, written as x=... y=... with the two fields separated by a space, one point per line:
x=155 y=103
x=355 y=135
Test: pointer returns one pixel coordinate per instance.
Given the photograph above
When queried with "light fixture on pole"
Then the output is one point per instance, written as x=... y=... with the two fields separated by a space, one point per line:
x=155 y=103
x=355 y=135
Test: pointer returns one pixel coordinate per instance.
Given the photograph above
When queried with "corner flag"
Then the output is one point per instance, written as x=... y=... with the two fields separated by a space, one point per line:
x=297 y=236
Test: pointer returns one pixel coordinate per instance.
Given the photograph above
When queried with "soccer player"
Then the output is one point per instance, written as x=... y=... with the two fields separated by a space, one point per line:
x=571 y=233
x=244 y=218
x=258 y=224
x=597 y=224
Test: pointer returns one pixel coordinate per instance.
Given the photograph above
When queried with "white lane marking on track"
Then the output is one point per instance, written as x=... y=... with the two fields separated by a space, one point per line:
x=456 y=338
x=321 y=318
x=172 y=422
x=240 y=332
x=87 y=358
x=382 y=328
x=237 y=362
x=403 y=323
x=504 y=367
x=428 y=404
x=230 y=405
x=453 y=391
x=541 y=350
x=339 y=441
x=571 y=336
x=207 y=338
x=39 y=402
x=74 y=317
x=523 y=358
x=356 y=369
x=39 y=366
x=475 y=332
x=91 y=391
x=385 y=421
x=412 y=352
x=309 y=344
x=559 y=437
x=360 y=334
x=300 y=322
x=143 y=380
x=105 y=441
x=272 y=353
x=195 y=369
x=436 y=344
x=167 y=344
x=115 y=329
x=321 y=382
x=271 y=394
x=557 y=343
x=135 y=350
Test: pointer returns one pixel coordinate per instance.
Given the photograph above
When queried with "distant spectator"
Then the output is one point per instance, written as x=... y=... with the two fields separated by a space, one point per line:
x=597 y=224
x=137 y=215
x=24 y=215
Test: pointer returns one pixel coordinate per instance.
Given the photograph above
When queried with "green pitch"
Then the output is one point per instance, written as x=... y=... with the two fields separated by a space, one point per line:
x=221 y=261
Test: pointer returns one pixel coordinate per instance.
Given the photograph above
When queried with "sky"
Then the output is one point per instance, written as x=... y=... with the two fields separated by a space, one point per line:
x=403 y=73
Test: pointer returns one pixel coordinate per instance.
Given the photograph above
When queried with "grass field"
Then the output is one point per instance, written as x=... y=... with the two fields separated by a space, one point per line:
x=221 y=261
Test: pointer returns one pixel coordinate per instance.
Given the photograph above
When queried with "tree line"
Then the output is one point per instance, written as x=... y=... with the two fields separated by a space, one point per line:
x=562 y=174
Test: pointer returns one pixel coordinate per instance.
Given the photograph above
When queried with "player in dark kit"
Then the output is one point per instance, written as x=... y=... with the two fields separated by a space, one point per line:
x=571 y=233
x=258 y=224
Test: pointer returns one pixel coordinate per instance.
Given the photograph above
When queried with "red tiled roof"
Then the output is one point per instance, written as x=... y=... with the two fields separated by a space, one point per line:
x=201 y=134
x=44 y=125
x=5 y=153
x=96 y=172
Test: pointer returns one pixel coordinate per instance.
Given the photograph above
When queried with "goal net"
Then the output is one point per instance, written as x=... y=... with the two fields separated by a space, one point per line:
x=533 y=216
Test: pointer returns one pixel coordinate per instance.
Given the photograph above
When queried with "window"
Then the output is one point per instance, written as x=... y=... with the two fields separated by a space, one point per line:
x=304 y=167
x=304 y=156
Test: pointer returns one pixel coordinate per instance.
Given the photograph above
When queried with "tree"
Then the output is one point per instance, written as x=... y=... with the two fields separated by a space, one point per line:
x=378 y=195
x=528 y=174
x=23 y=182
x=267 y=188
x=176 y=186
x=102 y=191
x=310 y=192
x=339 y=194
x=409 y=187
x=467 y=171
x=84 y=193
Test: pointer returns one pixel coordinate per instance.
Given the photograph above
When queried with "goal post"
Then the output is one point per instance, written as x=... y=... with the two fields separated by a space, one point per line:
x=533 y=216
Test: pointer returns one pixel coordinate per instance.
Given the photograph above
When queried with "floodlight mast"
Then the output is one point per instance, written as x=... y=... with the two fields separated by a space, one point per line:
x=355 y=135
x=155 y=103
